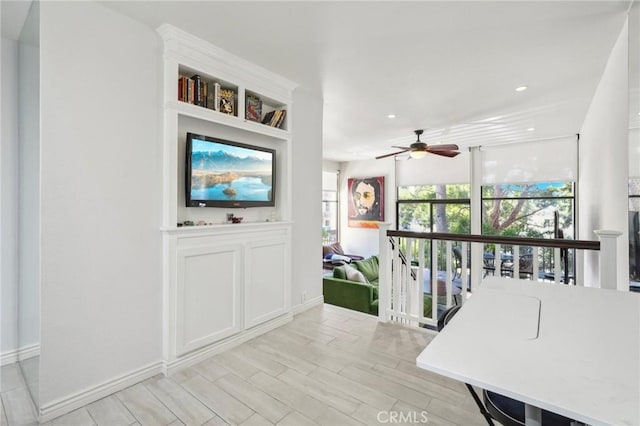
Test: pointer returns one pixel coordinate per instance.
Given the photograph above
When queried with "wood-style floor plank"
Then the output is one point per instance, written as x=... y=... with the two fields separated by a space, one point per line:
x=145 y=407
x=420 y=414
x=210 y=369
x=11 y=378
x=329 y=366
x=296 y=419
x=18 y=407
x=78 y=417
x=260 y=402
x=363 y=393
x=284 y=357
x=434 y=390
x=328 y=394
x=220 y=402
x=238 y=366
x=393 y=389
x=263 y=361
x=333 y=417
x=3 y=416
x=110 y=411
x=282 y=391
x=216 y=421
x=181 y=403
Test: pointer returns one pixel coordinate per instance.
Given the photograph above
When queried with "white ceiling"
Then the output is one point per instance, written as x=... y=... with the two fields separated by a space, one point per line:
x=449 y=67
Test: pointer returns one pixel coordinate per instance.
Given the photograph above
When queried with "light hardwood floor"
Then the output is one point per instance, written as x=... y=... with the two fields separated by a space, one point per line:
x=329 y=366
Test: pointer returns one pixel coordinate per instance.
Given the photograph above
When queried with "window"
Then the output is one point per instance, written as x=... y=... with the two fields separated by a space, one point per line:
x=434 y=208
x=532 y=210
x=528 y=210
x=329 y=207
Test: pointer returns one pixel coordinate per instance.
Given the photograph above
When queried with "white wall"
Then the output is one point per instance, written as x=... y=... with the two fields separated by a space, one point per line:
x=101 y=198
x=603 y=165
x=363 y=241
x=307 y=198
x=330 y=166
x=29 y=176
x=9 y=199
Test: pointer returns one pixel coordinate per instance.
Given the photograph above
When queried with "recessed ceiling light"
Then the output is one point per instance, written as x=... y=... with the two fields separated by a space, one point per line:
x=521 y=88
x=391 y=116
x=530 y=129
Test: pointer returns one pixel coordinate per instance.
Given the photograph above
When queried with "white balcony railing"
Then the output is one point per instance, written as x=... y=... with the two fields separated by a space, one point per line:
x=410 y=262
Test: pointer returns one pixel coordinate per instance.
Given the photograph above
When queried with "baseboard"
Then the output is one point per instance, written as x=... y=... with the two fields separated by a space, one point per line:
x=199 y=355
x=21 y=354
x=298 y=309
x=72 y=402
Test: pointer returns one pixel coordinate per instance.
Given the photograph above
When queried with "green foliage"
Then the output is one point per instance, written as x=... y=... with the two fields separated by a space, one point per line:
x=447 y=217
x=526 y=210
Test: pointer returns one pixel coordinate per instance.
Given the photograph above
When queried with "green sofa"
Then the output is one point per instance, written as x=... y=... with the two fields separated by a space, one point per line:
x=359 y=296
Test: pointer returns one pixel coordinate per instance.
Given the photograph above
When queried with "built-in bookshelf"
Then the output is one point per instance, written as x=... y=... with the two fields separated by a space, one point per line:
x=206 y=91
x=222 y=282
x=212 y=92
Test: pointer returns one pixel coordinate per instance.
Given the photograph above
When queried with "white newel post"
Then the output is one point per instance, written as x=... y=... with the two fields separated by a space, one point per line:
x=608 y=258
x=477 y=249
x=384 y=273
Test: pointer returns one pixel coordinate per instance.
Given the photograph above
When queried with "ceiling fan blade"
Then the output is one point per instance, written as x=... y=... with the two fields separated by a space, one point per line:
x=449 y=154
x=443 y=147
x=393 y=153
x=400 y=147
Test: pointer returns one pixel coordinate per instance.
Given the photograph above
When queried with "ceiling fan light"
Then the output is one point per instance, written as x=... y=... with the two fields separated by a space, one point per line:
x=418 y=154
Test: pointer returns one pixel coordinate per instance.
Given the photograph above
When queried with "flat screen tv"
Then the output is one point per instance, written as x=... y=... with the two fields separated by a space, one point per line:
x=221 y=173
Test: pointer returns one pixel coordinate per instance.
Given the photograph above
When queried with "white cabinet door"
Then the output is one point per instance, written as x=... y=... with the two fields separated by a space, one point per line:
x=267 y=280
x=209 y=288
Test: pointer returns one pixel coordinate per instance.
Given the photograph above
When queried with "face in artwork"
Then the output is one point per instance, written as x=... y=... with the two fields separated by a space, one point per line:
x=364 y=198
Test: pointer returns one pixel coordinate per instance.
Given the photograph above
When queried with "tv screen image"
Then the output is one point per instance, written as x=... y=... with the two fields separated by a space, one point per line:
x=222 y=173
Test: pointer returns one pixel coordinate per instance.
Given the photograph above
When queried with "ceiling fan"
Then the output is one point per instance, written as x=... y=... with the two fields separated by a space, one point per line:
x=419 y=149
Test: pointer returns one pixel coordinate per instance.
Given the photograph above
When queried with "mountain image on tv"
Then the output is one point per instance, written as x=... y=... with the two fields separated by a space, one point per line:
x=225 y=172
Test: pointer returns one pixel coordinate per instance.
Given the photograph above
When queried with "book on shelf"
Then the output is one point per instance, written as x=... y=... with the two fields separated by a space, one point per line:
x=185 y=90
x=253 y=107
x=205 y=94
x=283 y=113
x=197 y=89
x=216 y=96
x=228 y=101
x=190 y=91
x=268 y=117
x=183 y=86
x=275 y=118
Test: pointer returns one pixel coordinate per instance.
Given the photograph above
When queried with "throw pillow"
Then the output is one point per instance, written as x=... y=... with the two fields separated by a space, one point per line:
x=369 y=267
x=337 y=248
x=354 y=275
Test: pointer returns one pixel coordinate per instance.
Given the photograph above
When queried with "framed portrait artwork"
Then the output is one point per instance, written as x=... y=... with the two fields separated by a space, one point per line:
x=366 y=202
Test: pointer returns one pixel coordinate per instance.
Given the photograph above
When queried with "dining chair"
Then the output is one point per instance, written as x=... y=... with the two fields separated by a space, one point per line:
x=526 y=266
x=489 y=264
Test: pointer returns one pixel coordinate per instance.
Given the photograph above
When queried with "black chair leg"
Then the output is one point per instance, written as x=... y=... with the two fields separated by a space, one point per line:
x=480 y=405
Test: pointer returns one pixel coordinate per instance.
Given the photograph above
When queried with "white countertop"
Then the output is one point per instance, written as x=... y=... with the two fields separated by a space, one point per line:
x=571 y=350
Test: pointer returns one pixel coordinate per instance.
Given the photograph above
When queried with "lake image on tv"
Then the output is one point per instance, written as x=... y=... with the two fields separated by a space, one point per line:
x=221 y=172
x=241 y=189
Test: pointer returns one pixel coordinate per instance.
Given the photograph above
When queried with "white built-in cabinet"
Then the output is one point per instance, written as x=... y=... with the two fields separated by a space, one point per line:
x=223 y=283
